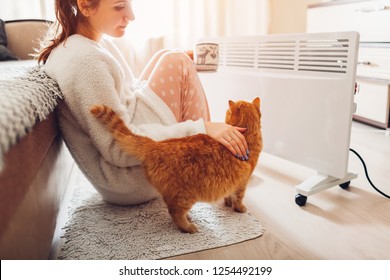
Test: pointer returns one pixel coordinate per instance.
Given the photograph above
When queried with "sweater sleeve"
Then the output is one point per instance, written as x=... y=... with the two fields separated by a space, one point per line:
x=160 y=132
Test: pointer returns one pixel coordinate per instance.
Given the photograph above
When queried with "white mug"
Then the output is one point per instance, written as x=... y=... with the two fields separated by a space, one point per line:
x=206 y=56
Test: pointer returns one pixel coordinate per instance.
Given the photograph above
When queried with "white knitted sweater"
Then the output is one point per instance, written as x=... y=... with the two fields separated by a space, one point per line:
x=90 y=73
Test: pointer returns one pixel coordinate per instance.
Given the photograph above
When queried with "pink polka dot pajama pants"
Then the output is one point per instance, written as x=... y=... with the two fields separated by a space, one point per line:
x=173 y=77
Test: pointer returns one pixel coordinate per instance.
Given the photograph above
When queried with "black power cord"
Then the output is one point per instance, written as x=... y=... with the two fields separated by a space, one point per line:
x=368 y=177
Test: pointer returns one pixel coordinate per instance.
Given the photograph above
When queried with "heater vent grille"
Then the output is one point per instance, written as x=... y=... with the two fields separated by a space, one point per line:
x=323 y=55
x=288 y=55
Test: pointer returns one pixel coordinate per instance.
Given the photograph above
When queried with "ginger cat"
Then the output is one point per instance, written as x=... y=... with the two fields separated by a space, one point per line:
x=194 y=168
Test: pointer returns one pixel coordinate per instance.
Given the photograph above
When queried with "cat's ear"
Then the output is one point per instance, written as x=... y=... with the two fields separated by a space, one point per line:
x=231 y=104
x=256 y=101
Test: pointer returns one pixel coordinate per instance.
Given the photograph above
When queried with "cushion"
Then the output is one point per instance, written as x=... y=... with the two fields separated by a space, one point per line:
x=5 y=53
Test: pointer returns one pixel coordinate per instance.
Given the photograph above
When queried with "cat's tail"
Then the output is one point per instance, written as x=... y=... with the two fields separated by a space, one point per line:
x=130 y=142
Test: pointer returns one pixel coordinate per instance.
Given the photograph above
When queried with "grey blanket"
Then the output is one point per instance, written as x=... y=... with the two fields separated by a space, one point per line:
x=27 y=96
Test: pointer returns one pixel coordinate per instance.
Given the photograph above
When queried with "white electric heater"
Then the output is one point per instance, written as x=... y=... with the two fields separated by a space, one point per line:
x=306 y=83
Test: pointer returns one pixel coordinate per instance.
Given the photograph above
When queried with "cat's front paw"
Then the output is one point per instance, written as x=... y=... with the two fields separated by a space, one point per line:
x=191 y=228
x=240 y=208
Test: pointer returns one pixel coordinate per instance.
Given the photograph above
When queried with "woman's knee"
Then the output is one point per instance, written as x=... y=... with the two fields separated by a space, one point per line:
x=175 y=57
x=160 y=53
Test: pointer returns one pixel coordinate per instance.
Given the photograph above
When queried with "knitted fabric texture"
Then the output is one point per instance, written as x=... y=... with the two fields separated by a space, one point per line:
x=27 y=96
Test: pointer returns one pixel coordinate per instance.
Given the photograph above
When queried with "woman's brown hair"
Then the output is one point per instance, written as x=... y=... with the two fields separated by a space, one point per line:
x=68 y=17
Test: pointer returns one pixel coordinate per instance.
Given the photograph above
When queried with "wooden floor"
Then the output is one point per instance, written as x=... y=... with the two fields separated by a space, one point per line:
x=335 y=224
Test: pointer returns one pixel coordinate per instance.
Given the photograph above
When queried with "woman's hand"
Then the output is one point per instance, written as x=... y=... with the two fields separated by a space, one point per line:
x=229 y=136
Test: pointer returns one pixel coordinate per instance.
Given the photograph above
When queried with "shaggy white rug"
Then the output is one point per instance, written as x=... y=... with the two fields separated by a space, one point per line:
x=101 y=231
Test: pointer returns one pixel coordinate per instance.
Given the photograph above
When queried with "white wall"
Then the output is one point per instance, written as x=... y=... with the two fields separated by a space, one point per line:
x=289 y=16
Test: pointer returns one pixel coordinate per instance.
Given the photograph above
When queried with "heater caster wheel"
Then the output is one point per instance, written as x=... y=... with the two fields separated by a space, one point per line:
x=300 y=199
x=345 y=185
